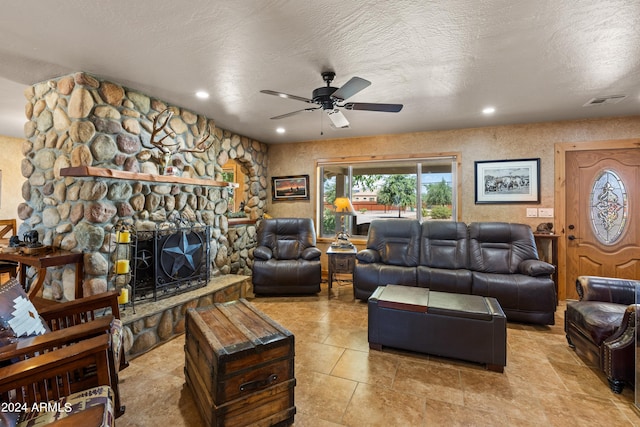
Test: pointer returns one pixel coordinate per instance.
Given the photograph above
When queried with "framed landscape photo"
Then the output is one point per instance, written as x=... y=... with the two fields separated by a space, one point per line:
x=507 y=181
x=290 y=188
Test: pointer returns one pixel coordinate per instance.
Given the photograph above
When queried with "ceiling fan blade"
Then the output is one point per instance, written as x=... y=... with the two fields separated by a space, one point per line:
x=338 y=120
x=350 y=88
x=287 y=96
x=293 y=113
x=387 y=108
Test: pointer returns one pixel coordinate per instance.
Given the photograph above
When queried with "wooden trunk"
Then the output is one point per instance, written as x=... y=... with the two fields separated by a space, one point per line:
x=239 y=366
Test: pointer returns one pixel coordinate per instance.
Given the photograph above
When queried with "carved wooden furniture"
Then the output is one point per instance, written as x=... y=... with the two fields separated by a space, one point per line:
x=7 y=230
x=53 y=376
x=467 y=327
x=55 y=258
x=73 y=322
x=340 y=261
x=239 y=365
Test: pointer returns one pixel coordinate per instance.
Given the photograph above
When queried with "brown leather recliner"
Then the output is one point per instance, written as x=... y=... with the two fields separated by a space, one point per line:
x=286 y=260
x=601 y=326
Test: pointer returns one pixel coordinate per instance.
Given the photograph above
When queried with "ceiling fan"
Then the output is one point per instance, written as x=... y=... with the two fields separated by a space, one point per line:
x=329 y=99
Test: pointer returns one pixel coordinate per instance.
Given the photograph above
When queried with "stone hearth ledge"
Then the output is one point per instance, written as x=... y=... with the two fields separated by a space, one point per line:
x=155 y=322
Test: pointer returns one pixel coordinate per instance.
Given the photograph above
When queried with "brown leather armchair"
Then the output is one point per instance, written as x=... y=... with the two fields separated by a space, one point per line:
x=286 y=260
x=601 y=326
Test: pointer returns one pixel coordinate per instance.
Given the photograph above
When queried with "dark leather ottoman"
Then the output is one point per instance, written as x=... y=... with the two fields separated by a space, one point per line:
x=467 y=327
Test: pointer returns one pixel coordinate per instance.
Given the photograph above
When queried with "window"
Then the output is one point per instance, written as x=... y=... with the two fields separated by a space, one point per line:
x=234 y=173
x=420 y=188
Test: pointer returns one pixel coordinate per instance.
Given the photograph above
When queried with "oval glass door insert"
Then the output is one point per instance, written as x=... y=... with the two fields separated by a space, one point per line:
x=609 y=207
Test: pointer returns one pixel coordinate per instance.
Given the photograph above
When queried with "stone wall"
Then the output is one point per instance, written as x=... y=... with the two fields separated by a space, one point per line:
x=81 y=120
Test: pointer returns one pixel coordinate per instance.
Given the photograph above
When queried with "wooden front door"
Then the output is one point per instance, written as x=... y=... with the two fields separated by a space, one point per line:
x=602 y=225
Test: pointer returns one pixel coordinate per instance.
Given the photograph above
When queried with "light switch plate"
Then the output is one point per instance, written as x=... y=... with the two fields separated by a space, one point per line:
x=532 y=212
x=545 y=212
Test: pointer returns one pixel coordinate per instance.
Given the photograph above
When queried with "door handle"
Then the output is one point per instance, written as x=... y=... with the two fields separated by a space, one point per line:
x=572 y=237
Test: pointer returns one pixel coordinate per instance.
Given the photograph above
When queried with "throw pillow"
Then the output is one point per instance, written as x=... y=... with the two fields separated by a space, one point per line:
x=17 y=313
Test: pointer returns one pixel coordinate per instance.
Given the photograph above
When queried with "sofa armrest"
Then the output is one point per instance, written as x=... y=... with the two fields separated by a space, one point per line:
x=607 y=289
x=625 y=334
x=262 y=252
x=536 y=268
x=368 y=256
x=311 y=254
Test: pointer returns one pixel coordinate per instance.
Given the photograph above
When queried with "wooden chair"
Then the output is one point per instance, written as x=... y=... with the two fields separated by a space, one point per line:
x=8 y=230
x=52 y=376
x=73 y=322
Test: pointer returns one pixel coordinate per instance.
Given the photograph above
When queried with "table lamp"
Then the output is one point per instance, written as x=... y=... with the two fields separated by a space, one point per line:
x=343 y=207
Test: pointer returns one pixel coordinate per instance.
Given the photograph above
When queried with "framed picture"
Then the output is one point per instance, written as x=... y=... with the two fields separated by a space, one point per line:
x=508 y=181
x=290 y=188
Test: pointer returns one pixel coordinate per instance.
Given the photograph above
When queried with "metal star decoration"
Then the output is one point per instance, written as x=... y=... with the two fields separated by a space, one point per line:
x=182 y=254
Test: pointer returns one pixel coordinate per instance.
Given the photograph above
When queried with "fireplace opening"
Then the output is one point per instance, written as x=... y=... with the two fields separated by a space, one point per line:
x=172 y=259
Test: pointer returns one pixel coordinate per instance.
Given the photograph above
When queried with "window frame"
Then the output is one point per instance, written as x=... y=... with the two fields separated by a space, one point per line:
x=417 y=159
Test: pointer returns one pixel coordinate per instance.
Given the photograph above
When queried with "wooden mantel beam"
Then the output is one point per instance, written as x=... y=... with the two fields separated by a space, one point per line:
x=91 y=171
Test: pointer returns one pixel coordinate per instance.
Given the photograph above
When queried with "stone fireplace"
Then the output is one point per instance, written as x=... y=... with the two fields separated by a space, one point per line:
x=81 y=122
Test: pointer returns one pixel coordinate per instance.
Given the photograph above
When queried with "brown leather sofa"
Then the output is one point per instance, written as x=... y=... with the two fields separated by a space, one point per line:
x=491 y=259
x=601 y=326
x=286 y=259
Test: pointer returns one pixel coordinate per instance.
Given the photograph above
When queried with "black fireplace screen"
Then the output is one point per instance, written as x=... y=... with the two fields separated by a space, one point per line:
x=169 y=262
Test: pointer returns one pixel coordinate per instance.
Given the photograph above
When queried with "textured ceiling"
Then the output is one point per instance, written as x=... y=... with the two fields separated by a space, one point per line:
x=444 y=60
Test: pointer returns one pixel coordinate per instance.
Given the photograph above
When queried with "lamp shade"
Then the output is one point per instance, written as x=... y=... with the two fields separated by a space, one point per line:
x=343 y=205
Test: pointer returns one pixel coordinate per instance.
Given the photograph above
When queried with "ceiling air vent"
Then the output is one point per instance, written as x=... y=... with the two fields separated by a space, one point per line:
x=611 y=99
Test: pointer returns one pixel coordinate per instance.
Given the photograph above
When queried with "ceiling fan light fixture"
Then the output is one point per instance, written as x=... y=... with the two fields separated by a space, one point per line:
x=280 y=130
x=338 y=120
x=330 y=99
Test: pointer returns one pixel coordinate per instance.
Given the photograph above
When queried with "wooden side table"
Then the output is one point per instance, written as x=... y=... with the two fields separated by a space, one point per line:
x=543 y=251
x=341 y=261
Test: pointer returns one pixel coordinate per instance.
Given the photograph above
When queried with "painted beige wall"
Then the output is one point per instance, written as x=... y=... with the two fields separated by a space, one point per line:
x=488 y=143
x=12 y=179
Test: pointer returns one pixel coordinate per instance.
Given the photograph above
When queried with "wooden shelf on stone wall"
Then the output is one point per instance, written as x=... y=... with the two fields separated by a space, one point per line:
x=91 y=171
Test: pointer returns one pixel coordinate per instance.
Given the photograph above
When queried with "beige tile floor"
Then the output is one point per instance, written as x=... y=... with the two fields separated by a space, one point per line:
x=341 y=382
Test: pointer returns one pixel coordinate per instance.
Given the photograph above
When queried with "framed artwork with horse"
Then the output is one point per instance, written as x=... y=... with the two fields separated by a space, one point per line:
x=507 y=181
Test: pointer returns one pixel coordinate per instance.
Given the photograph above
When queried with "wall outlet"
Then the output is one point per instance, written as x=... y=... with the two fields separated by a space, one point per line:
x=532 y=212
x=545 y=212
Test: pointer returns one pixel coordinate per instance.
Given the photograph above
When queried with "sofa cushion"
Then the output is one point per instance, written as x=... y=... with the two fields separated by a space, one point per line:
x=523 y=298
x=441 y=279
x=444 y=244
x=370 y=276
x=396 y=240
x=596 y=320
x=500 y=247
x=101 y=396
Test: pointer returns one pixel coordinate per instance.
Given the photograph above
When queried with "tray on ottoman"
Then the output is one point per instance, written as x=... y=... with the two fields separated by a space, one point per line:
x=239 y=365
x=467 y=327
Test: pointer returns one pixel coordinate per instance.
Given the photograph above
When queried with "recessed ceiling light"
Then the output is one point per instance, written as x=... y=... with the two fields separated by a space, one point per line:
x=488 y=110
x=202 y=94
x=280 y=130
